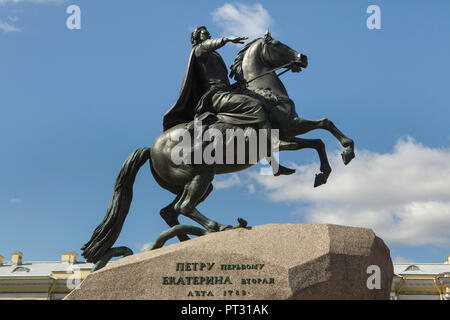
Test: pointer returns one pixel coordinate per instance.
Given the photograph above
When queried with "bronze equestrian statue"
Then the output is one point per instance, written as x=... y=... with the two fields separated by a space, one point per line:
x=258 y=100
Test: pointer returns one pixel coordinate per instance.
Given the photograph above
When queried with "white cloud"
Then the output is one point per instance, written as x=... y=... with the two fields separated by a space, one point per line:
x=400 y=259
x=231 y=181
x=6 y=27
x=404 y=196
x=3 y=2
x=242 y=20
x=15 y=200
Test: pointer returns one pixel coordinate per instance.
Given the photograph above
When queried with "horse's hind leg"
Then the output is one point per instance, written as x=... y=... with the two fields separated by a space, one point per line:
x=170 y=216
x=196 y=191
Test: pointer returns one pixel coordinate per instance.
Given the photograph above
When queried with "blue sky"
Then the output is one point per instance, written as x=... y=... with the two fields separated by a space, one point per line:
x=75 y=103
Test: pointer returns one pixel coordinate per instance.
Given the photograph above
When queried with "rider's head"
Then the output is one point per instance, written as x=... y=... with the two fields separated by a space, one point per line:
x=199 y=35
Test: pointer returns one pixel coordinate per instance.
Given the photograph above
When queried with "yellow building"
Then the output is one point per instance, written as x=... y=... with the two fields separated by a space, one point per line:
x=41 y=280
x=421 y=281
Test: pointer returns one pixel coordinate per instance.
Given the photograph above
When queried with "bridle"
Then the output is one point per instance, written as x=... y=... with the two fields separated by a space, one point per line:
x=286 y=65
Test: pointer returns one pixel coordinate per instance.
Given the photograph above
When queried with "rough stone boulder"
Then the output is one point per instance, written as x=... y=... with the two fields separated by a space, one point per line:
x=274 y=261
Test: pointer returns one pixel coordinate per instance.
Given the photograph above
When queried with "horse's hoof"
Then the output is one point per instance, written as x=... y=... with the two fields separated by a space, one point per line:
x=283 y=171
x=241 y=224
x=347 y=155
x=321 y=179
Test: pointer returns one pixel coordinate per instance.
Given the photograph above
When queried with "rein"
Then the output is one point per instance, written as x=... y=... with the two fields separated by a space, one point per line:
x=270 y=71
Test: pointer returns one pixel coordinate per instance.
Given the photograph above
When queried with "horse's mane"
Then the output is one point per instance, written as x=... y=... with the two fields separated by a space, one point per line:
x=236 y=67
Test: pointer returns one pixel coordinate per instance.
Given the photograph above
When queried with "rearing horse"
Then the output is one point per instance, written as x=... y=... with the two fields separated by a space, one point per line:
x=192 y=183
x=254 y=67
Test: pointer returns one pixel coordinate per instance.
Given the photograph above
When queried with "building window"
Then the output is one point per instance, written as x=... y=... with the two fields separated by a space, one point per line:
x=412 y=268
x=21 y=269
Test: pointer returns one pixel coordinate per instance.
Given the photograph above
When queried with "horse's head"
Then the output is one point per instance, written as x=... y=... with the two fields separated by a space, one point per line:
x=276 y=54
x=263 y=54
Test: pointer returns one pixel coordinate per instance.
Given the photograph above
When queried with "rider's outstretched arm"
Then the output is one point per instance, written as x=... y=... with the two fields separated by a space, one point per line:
x=214 y=44
x=209 y=45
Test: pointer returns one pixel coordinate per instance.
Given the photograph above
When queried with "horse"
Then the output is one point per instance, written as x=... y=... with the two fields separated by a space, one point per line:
x=191 y=182
x=253 y=67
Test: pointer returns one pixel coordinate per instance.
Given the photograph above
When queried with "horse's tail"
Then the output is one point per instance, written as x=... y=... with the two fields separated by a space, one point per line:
x=108 y=231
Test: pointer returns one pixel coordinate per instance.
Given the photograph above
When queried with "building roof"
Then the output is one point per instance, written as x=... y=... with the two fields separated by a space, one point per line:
x=421 y=268
x=40 y=268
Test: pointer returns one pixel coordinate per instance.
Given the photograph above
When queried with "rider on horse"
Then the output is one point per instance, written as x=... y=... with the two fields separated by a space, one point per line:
x=206 y=94
x=206 y=89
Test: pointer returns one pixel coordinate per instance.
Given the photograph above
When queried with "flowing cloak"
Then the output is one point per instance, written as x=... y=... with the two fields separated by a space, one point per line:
x=184 y=109
x=237 y=109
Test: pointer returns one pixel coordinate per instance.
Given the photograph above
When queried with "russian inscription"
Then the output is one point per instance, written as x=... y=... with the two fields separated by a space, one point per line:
x=205 y=277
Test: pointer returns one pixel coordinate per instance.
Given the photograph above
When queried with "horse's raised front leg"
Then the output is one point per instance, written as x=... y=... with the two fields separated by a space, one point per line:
x=349 y=146
x=298 y=126
x=319 y=146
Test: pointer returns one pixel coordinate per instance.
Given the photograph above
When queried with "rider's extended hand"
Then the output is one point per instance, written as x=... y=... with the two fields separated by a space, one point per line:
x=237 y=39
